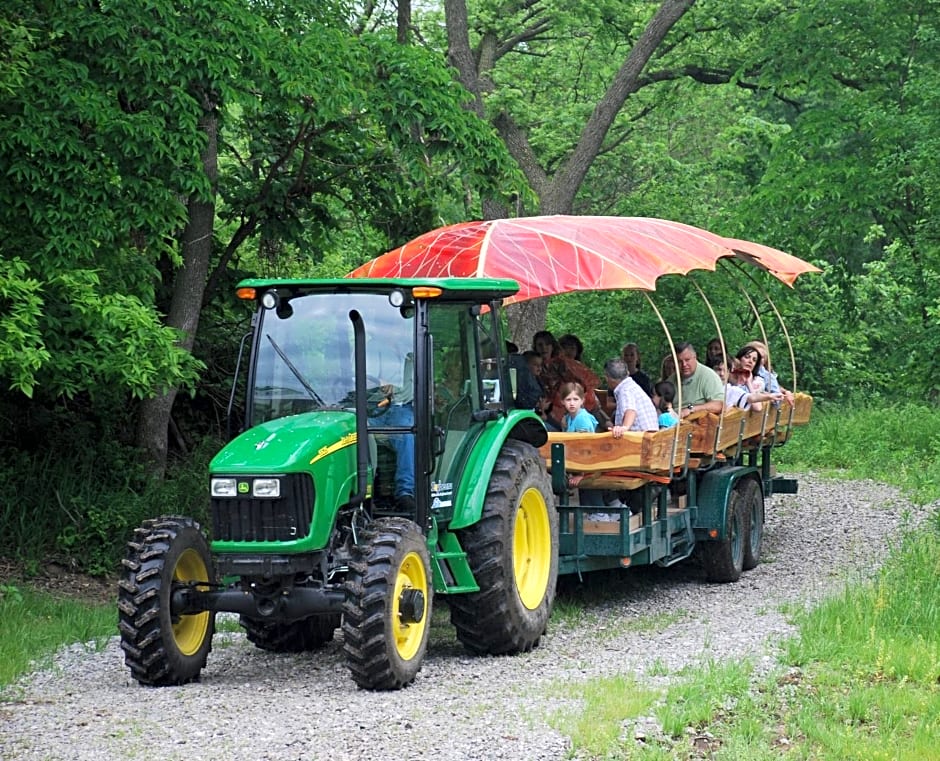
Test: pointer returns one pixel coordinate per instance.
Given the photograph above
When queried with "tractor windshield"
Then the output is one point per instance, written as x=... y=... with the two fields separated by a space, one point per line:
x=304 y=358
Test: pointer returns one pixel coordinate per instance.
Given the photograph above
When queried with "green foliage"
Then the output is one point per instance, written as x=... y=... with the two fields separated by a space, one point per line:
x=33 y=625
x=870 y=661
x=102 y=143
x=22 y=352
x=83 y=505
x=895 y=443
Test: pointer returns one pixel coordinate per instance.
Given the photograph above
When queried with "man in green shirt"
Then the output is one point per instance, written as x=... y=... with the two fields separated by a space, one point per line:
x=702 y=389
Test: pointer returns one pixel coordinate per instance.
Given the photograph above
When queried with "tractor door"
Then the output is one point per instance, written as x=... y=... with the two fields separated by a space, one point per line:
x=467 y=391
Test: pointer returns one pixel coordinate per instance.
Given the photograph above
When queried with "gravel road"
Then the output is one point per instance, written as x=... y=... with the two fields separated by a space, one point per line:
x=255 y=705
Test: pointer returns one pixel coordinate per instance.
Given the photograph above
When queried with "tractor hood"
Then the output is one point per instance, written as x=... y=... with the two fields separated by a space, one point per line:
x=288 y=444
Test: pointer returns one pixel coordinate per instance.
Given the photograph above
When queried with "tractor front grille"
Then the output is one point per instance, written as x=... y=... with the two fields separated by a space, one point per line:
x=247 y=519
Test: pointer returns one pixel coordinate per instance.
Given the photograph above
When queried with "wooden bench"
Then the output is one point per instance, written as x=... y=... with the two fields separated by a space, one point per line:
x=652 y=452
x=714 y=434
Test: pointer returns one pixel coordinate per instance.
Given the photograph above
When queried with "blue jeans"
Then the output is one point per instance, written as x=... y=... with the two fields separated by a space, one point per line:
x=401 y=415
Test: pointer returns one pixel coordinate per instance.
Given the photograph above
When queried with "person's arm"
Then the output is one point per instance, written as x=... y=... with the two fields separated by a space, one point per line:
x=629 y=416
x=715 y=405
x=757 y=398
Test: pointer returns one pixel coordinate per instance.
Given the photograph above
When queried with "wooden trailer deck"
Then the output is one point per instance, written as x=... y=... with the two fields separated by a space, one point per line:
x=599 y=461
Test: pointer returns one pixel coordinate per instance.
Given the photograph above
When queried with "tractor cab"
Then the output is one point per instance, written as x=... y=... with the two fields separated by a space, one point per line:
x=432 y=372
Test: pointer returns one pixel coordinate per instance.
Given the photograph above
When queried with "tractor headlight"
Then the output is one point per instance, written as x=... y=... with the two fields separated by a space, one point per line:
x=224 y=487
x=266 y=488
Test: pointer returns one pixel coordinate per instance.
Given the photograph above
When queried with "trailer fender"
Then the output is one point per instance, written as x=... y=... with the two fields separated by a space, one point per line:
x=521 y=425
x=714 y=494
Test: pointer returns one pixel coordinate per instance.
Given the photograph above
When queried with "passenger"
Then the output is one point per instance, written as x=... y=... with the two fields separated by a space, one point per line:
x=767 y=373
x=571 y=346
x=702 y=389
x=664 y=394
x=742 y=387
x=716 y=350
x=734 y=395
x=667 y=368
x=576 y=419
x=631 y=355
x=558 y=368
x=545 y=345
x=634 y=410
x=528 y=387
x=579 y=420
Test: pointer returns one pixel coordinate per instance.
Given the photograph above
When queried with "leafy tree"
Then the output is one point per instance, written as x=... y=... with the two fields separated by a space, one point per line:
x=854 y=178
x=144 y=145
x=504 y=31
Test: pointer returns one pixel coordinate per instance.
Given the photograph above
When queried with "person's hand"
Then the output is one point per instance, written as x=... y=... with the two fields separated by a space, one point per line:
x=618 y=431
x=791 y=400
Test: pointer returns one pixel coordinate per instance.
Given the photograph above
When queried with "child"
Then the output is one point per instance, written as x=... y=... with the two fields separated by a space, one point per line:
x=664 y=393
x=576 y=419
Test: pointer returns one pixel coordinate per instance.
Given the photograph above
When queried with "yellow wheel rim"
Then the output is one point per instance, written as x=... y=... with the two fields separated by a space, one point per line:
x=189 y=632
x=532 y=549
x=412 y=575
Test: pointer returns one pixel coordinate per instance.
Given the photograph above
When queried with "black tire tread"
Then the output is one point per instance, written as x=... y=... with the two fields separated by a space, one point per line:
x=292 y=637
x=494 y=621
x=370 y=656
x=143 y=603
x=721 y=563
x=753 y=501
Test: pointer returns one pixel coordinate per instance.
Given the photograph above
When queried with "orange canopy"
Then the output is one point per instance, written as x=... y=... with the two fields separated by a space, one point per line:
x=557 y=254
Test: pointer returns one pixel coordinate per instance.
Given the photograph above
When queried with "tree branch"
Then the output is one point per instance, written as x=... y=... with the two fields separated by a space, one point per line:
x=568 y=180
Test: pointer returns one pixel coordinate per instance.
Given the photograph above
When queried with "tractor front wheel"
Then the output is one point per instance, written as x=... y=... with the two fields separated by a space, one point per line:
x=160 y=647
x=513 y=553
x=387 y=613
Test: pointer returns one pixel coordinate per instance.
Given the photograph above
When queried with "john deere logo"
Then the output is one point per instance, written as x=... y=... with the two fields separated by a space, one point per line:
x=243 y=487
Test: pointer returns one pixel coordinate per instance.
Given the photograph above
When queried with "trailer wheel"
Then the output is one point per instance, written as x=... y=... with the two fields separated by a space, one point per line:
x=386 y=616
x=161 y=648
x=513 y=554
x=724 y=559
x=294 y=637
x=753 y=502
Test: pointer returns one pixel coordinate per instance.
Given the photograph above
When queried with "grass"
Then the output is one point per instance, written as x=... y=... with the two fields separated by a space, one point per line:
x=597 y=729
x=33 y=625
x=861 y=681
x=862 y=678
x=897 y=445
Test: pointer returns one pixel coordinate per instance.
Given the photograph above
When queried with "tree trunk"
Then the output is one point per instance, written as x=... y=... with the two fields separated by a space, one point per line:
x=188 y=288
x=556 y=191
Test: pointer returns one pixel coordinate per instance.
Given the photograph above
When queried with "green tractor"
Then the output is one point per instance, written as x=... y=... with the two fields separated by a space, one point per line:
x=380 y=462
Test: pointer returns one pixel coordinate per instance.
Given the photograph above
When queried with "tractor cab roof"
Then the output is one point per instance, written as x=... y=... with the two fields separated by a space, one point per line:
x=480 y=290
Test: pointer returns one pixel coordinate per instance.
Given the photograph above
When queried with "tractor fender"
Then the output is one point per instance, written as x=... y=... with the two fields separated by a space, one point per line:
x=713 y=496
x=478 y=468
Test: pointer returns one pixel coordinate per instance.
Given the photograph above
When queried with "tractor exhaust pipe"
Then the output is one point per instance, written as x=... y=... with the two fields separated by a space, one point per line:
x=362 y=430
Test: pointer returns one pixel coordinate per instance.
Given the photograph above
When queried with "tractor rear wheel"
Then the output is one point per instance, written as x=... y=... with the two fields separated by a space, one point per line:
x=162 y=648
x=513 y=554
x=753 y=502
x=293 y=637
x=387 y=613
x=724 y=559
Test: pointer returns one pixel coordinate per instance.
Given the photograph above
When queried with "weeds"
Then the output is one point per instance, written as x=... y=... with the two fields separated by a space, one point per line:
x=33 y=625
